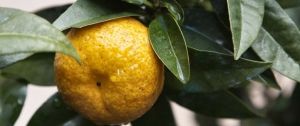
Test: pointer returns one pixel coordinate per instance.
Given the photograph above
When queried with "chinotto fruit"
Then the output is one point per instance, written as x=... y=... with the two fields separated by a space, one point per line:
x=120 y=77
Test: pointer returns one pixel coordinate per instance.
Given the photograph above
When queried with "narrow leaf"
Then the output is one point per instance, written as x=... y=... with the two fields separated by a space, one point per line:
x=12 y=97
x=37 y=69
x=88 y=12
x=212 y=71
x=221 y=104
x=53 y=112
x=245 y=21
x=174 y=8
x=270 y=50
x=169 y=44
x=22 y=32
x=159 y=115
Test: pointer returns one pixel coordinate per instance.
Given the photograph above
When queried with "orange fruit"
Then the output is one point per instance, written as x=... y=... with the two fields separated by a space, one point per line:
x=120 y=77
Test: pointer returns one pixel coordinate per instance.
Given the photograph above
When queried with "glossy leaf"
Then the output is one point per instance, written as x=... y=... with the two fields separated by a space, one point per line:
x=212 y=71
x=198 y=41
x=6 y=60
x=288 y=3
x=174 y=8
x=245 y=21
x=169 y=44
x=207 y=24
x=160 y=114
x=270 y=50
x=53 y=112
x=221 y=104
x=37 y=69
x=22 y=32
x=12 y=97
x=139 y=2
x=88 y=12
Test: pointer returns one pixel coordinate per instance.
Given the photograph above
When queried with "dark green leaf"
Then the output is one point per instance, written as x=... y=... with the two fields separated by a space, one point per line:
x=12 y=97
x=221 y=9
x=52 y=13
x=188 y=3
x=221 y=104
x=6 y=60
x=245 y=21
x=139 y=2
x=196 y=40
x=87 y=12
x=288 y=3
x=279 y=42
x=174 y=8
x=37 y=69
x=169 y=44
x=212 y=71
x=53 y=112
x=267 y=78
x=159 y=115
x=22 y=32
x=206 y=24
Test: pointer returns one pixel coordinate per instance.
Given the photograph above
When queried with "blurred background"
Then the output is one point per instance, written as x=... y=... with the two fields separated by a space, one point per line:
x=259 y=95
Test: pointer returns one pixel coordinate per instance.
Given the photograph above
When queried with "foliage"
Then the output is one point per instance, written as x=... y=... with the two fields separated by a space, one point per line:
x=211 y=50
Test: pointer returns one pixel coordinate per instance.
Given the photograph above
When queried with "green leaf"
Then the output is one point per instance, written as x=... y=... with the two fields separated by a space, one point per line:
x=206 y=24
x=196 y=40
x=188 y=3
x=169 y=44
x=53 y=112
x=22 y=32
x=174 y=8
x=139 y=2
x=159 y=115
x=270 y=50
x=52 y=13
x=282 y=38
x=12 y=97
x=221 y=104
x=212 y=71
x=221 y=9
x=88 y=12
x=245 y=21
x=288 y=3
x=267 y=78
x=6 y=60
x=37 y=69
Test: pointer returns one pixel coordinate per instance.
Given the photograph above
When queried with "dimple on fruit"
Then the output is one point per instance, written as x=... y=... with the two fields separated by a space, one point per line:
x=120 y=77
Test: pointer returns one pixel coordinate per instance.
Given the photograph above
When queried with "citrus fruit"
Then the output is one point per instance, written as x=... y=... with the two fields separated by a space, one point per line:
x=120 y=77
